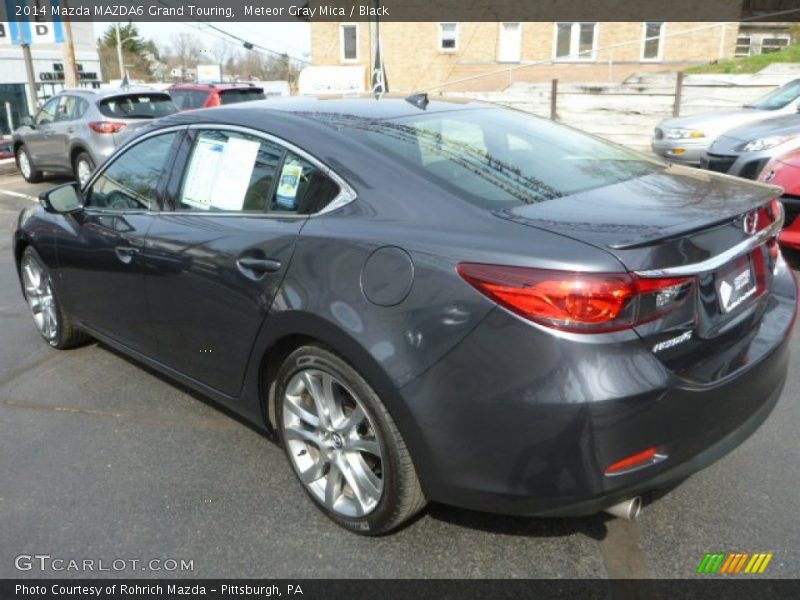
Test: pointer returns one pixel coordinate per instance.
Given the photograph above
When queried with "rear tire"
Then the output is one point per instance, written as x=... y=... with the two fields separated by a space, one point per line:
x=352 y=461
x=29 y=172
x=82 y=168
x=53 y=323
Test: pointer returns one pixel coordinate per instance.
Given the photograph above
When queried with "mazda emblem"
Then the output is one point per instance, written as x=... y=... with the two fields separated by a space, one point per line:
x=750 y=224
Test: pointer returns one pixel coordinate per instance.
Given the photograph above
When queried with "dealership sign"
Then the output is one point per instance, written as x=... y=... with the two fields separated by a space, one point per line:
x=26 y=28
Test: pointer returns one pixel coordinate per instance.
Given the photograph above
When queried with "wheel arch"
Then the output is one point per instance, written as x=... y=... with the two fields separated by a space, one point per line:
x=284 y=332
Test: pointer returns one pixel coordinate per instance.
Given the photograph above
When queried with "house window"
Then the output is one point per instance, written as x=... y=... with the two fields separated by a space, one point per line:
x=576 y=41
x=510 y=42
x=349 y=42
x=653 y=41
x=743 y=45
x=448 y=36
x=774 y=44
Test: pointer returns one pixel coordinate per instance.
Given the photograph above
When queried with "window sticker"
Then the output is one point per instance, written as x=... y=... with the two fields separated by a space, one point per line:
x=219 y=174
x=287 y=186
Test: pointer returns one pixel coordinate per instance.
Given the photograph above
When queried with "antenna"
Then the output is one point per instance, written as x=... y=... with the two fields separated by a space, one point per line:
x=418 y=100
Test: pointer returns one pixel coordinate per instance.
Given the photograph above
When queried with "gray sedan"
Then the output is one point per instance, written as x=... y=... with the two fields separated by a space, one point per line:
x=78 y=129
x=685 y=140
x=745 y=151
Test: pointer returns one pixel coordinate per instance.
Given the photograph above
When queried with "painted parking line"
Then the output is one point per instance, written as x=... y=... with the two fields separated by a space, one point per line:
x=19 y=195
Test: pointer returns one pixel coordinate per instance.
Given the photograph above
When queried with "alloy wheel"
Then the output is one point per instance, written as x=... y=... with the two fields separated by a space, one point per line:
x=332 y=443
x=84 y=172
x=24 y=164
x=39 y=294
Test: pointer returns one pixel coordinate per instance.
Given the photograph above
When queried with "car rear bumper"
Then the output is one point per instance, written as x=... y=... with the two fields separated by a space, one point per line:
x=531 y=430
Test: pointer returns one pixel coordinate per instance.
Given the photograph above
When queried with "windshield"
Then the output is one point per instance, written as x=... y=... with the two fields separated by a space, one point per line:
x=497 y=158
x=138 y=106
x=779 y=98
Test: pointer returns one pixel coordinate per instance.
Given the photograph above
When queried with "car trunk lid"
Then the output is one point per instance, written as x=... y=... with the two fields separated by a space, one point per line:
x=681 y=223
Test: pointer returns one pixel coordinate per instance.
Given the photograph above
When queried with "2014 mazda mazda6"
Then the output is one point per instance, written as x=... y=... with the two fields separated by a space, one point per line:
x=429 y=300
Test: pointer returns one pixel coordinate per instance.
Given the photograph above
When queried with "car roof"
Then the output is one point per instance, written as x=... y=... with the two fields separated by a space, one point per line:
x=109 y=92
x=331 y=110
x=213 y=86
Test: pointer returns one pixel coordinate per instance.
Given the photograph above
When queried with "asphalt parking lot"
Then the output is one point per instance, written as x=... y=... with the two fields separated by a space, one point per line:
x=101 y=458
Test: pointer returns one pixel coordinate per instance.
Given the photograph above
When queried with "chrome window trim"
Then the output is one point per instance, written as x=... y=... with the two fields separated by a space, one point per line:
x=715 y=262
x=345 y=196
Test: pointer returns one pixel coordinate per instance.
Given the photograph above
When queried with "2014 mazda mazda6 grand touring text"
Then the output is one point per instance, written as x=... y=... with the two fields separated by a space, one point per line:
x=429 y=300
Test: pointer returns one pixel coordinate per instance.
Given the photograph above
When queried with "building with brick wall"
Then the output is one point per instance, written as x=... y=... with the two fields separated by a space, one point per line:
x=431 y=55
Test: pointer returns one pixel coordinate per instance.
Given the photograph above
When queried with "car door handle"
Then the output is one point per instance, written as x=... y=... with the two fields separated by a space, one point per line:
x=126 y=253
x=253 y=265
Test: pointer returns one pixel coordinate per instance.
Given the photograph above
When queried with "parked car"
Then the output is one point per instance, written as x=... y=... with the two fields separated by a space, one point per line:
x=744 y=151
x=190 y=96
x=684 y=140
x=429 y=300
x=6 y=148
x=784 y=171
x=77 y=130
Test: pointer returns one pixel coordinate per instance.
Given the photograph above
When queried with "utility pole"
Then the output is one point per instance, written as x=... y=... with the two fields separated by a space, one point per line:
x=119 y=54
x=32 y=98
x=70 y=67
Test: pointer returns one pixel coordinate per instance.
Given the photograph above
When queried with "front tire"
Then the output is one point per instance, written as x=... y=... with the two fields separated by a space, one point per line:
x=343 y=445
x=83 y=168
x=29 y=172
x=53 y=324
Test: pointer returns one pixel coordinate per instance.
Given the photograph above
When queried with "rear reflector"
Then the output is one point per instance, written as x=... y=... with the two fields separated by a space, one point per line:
x=106 y=126
x=580 y=302
x=634 y=461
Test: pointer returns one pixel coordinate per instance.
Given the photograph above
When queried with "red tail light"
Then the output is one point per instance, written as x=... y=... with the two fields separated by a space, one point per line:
x=581 y=302
x=106 y=126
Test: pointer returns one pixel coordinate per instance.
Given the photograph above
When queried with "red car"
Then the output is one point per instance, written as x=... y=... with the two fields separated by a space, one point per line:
x=188 y=96
x=784 y=171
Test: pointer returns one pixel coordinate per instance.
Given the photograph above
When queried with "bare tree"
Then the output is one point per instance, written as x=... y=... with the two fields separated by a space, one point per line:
x=185 y=48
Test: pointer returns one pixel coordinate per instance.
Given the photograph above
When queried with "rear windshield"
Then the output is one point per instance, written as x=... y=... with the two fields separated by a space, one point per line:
x=779 y=98
x=241 y=95
x=189 y=99
x=497 y=158
x=138 y=106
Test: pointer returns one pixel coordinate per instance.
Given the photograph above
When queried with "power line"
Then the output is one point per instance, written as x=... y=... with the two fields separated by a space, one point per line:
x=243 y=42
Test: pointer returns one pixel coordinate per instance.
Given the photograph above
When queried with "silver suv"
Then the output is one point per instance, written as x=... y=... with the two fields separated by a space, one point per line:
x=77 y=130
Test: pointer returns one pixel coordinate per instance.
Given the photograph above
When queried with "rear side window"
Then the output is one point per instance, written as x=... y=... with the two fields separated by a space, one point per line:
x=241 y=95
x=302 y=187
x=189 y=99
x=230 y=172
x=138 y=106
x=131 y=181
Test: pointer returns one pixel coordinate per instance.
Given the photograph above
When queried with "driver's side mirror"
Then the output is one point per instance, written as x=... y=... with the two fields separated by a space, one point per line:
x=27 y=121
x=62 y=199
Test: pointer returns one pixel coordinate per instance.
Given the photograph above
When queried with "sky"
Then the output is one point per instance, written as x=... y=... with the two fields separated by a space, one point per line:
x=294 y=38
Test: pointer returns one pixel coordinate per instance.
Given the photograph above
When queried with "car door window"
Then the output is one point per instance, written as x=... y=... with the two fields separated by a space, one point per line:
x=47 y=114
x=65 y=111
x=131 y=181
x=230 y=172
x=303 y=188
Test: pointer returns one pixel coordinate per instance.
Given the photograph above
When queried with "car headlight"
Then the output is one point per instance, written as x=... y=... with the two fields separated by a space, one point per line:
x=766 y=143
x=684 y=134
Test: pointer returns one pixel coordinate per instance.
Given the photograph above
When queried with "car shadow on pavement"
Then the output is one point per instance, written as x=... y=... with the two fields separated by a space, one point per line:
x=592 y=526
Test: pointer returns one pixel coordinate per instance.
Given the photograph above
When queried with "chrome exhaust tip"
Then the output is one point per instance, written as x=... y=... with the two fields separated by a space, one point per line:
x=627 y=509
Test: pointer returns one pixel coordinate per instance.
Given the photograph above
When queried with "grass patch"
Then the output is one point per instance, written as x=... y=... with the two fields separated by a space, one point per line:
x=749 y=64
